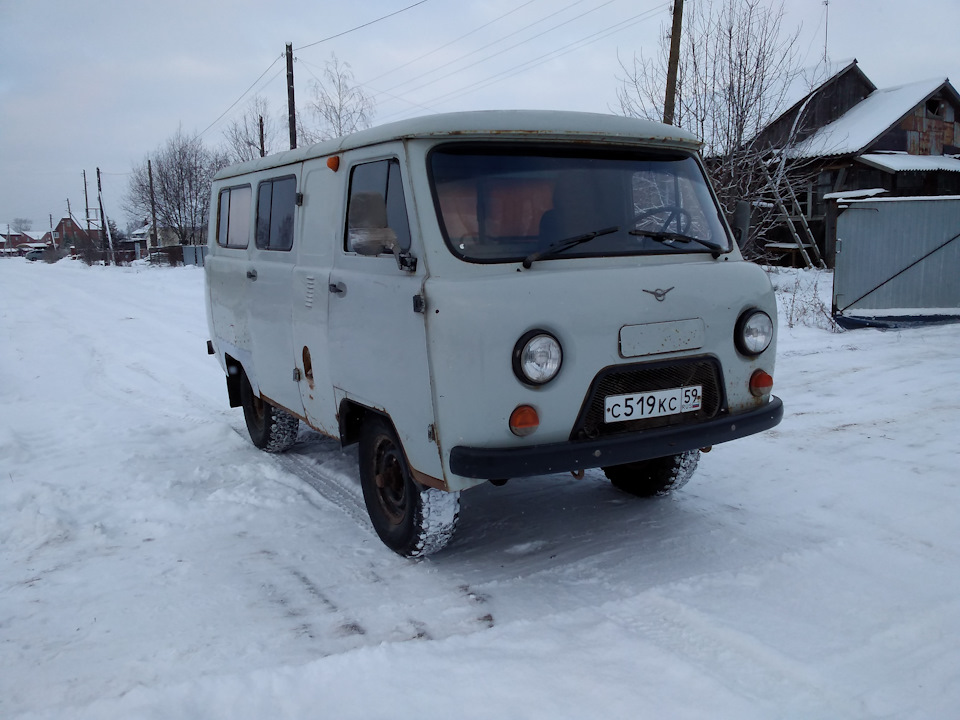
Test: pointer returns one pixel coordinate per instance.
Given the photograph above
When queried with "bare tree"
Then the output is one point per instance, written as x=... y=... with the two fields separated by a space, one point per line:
x=243 y=134
x=737 y=66
x=183 y=170
x=339 y=105
x=21 y=225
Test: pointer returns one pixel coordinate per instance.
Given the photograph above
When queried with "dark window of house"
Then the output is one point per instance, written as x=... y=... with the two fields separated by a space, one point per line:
x=233 y=217
x=276 y=202
x=377 y=203
x=935 y=107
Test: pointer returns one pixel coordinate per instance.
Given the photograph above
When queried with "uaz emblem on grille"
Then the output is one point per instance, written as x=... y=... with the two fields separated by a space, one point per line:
x=659 y=294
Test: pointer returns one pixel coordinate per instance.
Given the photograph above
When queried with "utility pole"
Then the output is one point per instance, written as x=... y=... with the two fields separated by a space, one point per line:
x=52 y=238
x=103 y=220
x=291 y=106
x=262 y=150
x=153 y=212
x=669 y=100
x=86 y=202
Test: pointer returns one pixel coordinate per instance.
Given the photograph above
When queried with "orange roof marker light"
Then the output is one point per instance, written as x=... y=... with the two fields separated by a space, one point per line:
x=333 y=162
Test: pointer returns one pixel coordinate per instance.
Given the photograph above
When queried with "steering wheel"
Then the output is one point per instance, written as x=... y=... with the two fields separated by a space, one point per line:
x=674 y=214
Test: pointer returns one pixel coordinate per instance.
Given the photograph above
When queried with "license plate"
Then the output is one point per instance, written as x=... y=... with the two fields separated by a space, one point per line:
x=658 y=403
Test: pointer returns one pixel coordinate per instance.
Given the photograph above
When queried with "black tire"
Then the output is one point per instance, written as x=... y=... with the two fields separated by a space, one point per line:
x=659 y=476
x=411 y=519
x=270 y=428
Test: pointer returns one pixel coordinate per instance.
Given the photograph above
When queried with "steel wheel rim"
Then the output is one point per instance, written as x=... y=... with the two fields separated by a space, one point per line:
x=391 y=483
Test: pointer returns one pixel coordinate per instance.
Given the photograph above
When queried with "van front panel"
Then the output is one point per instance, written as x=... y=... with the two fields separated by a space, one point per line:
x=475 y=323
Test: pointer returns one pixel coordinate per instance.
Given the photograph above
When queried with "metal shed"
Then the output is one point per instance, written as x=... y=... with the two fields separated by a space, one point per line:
x=897 y=261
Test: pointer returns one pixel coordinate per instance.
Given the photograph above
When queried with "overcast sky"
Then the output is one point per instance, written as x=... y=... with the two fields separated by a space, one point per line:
x=102 y=83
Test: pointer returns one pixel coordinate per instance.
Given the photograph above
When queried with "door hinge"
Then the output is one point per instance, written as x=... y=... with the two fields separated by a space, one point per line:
x=431 y=433
x=419 y=304
x=299 y=198
x=296 y=375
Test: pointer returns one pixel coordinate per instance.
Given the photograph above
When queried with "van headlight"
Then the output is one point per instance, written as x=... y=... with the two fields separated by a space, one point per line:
x=754 y=332
x=537 y=357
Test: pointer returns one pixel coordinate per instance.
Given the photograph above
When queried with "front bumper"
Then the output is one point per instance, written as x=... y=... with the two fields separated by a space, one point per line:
x=501 y=463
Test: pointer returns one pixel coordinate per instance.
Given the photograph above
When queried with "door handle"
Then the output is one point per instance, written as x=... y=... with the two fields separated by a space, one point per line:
x=338 y=289
x=252 y=274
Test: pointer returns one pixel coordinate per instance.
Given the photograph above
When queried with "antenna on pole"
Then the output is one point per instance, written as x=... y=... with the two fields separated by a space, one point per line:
x=826 y=29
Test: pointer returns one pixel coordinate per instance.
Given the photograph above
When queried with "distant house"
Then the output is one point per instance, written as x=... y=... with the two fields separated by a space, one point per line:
x=166 y=236
x=16 y=243
x=850 y=138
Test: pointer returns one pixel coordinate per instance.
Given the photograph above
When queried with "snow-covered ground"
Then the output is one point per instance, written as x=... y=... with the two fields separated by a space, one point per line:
x=153 y=564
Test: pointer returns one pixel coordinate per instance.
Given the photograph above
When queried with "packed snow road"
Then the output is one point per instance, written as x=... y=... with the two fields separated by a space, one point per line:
x=154 y=564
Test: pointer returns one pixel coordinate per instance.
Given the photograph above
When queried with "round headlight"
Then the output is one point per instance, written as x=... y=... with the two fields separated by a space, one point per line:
x=537 y=357
x=754 y=332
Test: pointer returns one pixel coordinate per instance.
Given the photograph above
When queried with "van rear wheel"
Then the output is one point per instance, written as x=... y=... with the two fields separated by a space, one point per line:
x=270 y=428
x=411 y=519
x=659 y=476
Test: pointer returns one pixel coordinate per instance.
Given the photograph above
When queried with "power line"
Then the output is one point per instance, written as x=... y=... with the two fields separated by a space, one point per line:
x=530 y=64
x=345 y=32
x=307 y=66
x=243 y=95
x=358 y=27
x=495 y=42
x=448 y=44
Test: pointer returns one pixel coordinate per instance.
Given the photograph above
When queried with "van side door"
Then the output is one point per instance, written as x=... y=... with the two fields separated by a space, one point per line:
x=377 y=330
x=319 y=231
x=269 y=274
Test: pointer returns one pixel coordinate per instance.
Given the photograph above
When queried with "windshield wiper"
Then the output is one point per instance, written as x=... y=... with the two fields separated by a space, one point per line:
x=566 y=245
x=669 y=238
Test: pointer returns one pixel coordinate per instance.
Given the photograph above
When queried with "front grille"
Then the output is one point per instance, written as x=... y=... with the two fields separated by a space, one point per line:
x=624 y=379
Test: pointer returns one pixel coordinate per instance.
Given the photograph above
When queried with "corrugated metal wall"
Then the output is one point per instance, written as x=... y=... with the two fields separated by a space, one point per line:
x=898 y=258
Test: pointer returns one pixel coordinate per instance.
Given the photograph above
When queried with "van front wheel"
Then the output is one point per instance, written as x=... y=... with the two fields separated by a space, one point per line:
x=658 y=476
x=270 y=428
x=411 y=519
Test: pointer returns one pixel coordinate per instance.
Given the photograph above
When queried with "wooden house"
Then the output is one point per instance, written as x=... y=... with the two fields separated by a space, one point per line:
x=847 y=138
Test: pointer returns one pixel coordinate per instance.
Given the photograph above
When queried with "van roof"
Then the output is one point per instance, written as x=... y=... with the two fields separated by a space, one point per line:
x=508 y=124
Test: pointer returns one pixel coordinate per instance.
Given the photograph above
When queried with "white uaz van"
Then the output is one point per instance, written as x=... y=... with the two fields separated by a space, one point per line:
x=489 y=295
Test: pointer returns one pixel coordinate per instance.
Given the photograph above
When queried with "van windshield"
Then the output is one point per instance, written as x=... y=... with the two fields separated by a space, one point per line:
x=523 y=202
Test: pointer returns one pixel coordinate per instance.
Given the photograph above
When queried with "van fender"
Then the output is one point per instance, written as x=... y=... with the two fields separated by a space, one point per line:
x=351 y=416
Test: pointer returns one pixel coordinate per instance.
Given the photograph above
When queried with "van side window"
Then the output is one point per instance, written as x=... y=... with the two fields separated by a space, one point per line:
x=276 y=202
x=233 y=217
x=377 y=202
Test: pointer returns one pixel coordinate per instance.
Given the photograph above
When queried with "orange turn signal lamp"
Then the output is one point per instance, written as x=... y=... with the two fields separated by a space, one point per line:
x=524 y=421
x=761 y=383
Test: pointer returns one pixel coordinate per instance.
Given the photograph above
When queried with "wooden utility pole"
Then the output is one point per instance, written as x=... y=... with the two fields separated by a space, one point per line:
x=103 y=220
x=263 y=151
x=669 y=101
x=153 y=212
x=291 y=106
x=86 y=202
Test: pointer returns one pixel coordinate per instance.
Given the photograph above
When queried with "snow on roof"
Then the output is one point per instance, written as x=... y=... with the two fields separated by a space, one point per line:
x=853 y=194
x=141 y=232
x=901 y=162
x=867 y=120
